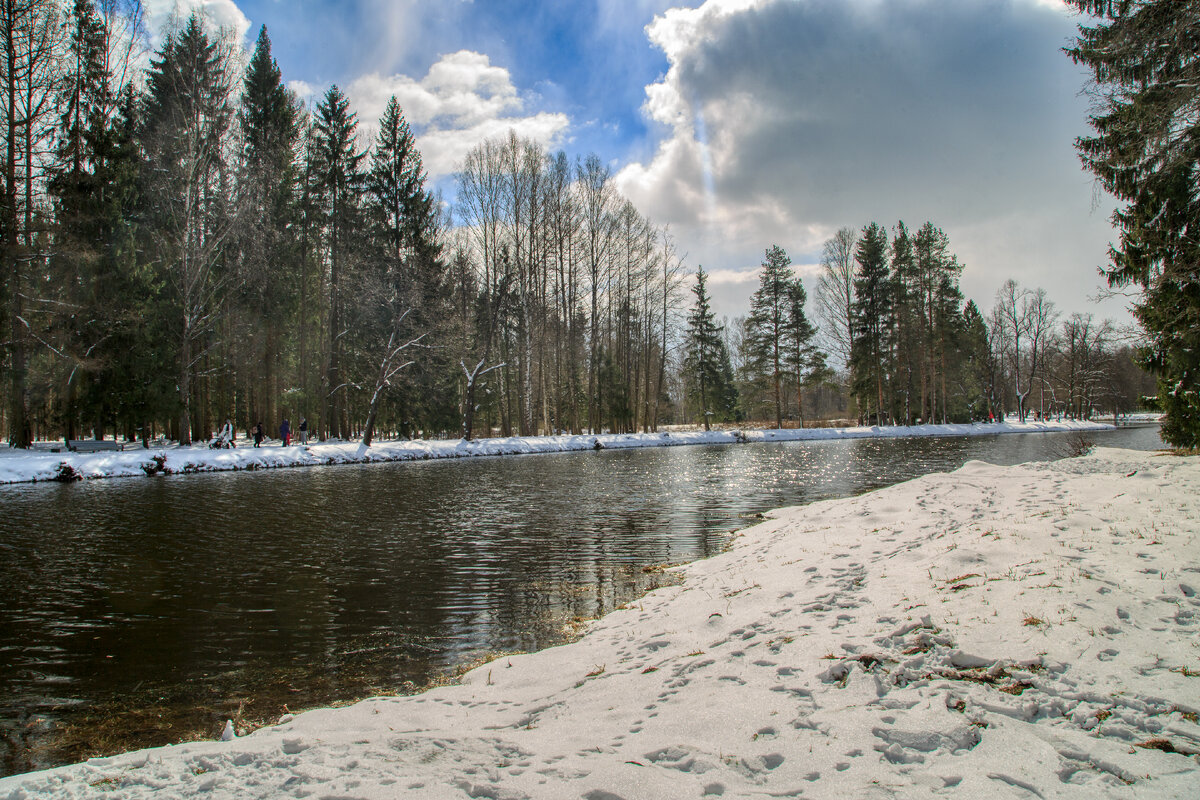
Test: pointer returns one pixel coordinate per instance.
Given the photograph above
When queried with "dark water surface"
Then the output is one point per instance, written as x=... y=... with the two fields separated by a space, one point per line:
x=136 y=612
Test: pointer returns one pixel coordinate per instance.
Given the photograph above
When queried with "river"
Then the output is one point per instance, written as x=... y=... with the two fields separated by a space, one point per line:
x=139 y=612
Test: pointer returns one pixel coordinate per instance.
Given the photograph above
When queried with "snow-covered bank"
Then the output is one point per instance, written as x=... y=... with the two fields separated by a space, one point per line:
x=995 y=632
x=20 y=466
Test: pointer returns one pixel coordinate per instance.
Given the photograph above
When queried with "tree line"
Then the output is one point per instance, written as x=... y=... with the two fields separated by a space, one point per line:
x=187 y=242
x=191 y=243
x=906 y=346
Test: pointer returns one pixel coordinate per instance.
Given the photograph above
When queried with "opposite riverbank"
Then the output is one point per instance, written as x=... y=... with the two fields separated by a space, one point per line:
x=26 y=467
x=996 y=631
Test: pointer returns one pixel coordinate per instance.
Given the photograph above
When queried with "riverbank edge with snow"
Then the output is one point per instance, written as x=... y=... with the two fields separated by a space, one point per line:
x=18 y=467
x=1008 y=632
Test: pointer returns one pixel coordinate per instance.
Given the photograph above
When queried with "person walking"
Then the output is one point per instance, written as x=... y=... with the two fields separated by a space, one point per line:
x=304 y=430
x=227 y=434
x=285 y=432
x=258 y=434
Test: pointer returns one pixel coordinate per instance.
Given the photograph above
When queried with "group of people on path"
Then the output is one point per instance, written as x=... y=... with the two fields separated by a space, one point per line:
x=227 y=437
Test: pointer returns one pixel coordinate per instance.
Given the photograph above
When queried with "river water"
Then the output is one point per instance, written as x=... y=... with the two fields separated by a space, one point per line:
x=137 y=612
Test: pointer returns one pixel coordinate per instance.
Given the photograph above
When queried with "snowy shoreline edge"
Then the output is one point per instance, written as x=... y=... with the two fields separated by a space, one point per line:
x=56 y=467
x=995 y=631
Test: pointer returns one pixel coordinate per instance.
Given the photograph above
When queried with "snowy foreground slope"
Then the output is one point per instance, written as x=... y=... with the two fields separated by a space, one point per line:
x=20 y=467
x=996 y=632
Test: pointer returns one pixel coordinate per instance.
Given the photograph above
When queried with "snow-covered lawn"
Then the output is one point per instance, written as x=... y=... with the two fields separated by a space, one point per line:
x=20 y=466
x=996 y=632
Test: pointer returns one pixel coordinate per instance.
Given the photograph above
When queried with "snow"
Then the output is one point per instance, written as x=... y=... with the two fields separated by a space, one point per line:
x=999 y=632
x=24 y=466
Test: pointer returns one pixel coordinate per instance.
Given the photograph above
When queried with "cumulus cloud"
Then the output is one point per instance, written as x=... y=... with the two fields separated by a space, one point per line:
x=303 y=90
x=221 y=14
x=780 y=121
x=462 y=100
x=747 y=279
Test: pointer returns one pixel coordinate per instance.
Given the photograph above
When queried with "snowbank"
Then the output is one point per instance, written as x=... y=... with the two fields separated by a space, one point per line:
x=18 y=466
x=1001 y=632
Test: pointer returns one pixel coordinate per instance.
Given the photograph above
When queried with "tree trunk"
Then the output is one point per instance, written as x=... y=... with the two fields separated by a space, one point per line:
x=468 y=419
x=185 y=388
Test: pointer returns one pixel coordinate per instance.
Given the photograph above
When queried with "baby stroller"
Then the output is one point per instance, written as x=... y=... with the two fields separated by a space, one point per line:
x=224 y=439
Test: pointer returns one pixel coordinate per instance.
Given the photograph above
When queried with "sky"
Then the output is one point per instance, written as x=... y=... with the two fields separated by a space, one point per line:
x=746 y=123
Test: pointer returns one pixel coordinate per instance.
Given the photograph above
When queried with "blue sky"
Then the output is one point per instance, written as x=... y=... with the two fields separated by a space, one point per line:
x=747 y=123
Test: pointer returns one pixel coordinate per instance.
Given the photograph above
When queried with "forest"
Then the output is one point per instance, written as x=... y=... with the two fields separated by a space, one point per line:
x=185 y=242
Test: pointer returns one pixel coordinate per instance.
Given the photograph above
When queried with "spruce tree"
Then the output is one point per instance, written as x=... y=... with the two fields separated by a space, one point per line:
x=708 y=373
x=1145 y=152
x=977 y=366
x=768 y=322
x=78 y=199
x=339 y=182
x=268 y=253
x=186 y=117
x=406 y=294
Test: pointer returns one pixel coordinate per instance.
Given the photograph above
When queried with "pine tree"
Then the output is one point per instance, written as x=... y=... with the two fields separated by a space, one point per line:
x=874 y=323
x=908 y=380
x=768 y=321
x=937 y=273
x=708 y=373
x=1145 y=151
x=801 y=357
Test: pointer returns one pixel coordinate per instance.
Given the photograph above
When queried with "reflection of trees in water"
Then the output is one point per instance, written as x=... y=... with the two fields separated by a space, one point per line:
x=304 y=587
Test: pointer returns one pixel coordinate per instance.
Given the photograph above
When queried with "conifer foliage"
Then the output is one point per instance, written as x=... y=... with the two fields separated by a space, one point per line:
x=1144 y=57
x=707 y=371
x=778 y=346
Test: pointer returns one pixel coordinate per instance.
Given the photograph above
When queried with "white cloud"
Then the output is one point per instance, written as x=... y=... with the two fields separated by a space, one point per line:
x=220 y=14
x=723 y=277
x=303 y=90
x=461 y=101
x=461 y=89
x=779 y=121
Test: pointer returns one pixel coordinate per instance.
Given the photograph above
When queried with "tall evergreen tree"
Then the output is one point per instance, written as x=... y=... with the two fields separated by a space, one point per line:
x=937 y=273
x=978 y=371
x=708 y=372
x=910 y=342
x=108 y=325
x=339 y=179
x=801 y=357
x=767 y=324
x=76 y=194
x=405 y=295
x=1145 y=152
x=185 y=182
x=268 y=252
x=874 y=323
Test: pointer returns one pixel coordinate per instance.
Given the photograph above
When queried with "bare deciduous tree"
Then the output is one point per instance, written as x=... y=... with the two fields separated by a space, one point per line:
x=835 y=293
x=1024 y=320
